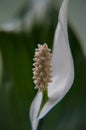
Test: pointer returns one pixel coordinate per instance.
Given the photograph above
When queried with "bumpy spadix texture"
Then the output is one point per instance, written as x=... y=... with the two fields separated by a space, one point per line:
x=42 y=67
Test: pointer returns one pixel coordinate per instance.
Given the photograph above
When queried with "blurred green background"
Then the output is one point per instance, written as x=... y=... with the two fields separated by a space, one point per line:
x=24 y=24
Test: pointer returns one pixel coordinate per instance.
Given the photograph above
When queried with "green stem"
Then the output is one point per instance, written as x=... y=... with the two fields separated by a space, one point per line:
x=44 y=99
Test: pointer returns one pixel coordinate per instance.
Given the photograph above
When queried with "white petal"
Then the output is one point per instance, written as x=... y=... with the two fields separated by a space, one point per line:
x=63 y=69
x=34 y=110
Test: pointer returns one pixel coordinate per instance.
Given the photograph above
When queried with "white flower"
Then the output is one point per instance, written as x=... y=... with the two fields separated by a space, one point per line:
x=62 y=71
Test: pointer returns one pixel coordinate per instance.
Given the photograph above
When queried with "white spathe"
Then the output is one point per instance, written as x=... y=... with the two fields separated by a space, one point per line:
x=62 y=70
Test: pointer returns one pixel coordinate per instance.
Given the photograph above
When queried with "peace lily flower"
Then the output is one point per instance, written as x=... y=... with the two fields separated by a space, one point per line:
x=62 y=71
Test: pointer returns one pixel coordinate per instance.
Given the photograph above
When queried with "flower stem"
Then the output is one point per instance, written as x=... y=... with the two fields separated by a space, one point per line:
x=45 y=97
x=44 y=100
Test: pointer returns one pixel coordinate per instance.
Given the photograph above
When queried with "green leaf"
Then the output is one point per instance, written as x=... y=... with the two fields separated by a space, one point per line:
x=1 y=67
x=17 y=87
